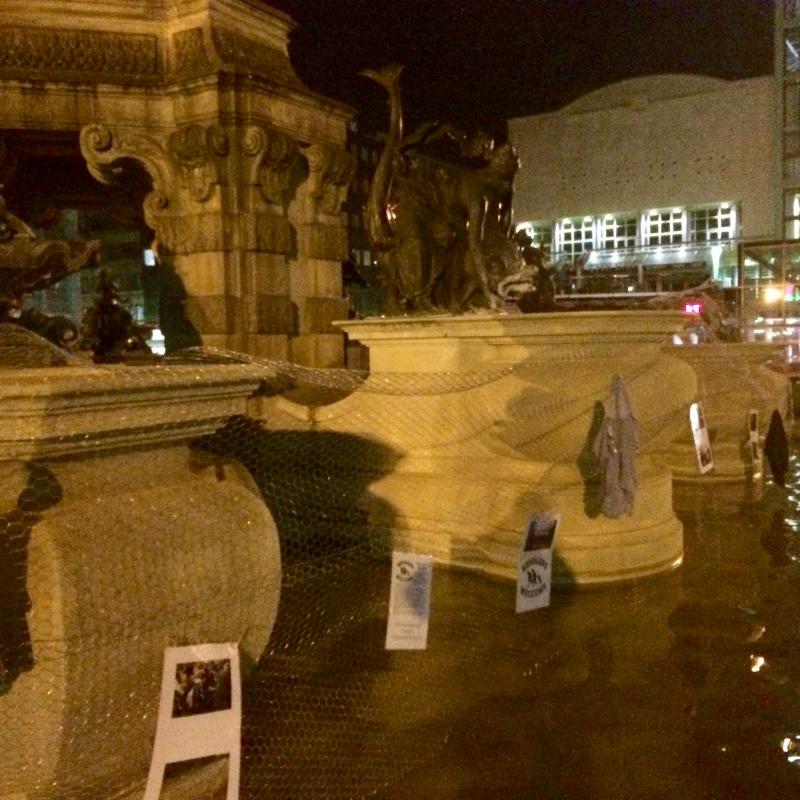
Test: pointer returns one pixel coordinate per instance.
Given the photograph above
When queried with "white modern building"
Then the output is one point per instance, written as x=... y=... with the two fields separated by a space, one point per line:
x=658 y=182
x=649 y=181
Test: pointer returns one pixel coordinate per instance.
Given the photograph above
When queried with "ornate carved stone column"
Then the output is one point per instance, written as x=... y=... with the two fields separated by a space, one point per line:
x=271 y=160
x=248 y=165
x=321 y=246
x=218 y=211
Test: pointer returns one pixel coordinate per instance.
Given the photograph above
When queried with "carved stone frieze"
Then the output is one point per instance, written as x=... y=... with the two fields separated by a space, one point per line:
x=273 y=155
x=330 y=170
x=189 y=55
x=28 y=52
x=237 y=51
x=219 y=232
x=195 y=150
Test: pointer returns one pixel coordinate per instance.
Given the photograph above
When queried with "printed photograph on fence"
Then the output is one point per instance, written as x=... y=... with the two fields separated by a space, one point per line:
x=199 y=728
x=755 y=439
x=540 y=531
x=409 y=601
x=199 y=778
x=202 y=687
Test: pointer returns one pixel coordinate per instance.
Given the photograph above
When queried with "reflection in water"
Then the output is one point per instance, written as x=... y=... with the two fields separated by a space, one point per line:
x=684 y=686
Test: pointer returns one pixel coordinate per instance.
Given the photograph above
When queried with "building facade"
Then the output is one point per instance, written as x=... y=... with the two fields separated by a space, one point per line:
x=651 y=183
x=661 y=182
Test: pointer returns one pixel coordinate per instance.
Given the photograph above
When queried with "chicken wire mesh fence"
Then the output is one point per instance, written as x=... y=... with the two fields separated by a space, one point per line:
x=167 y=519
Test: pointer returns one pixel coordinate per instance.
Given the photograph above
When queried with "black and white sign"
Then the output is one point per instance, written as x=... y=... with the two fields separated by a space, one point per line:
x=535 y=569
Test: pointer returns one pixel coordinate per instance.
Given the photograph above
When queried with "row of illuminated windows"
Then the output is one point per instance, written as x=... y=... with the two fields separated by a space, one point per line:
x=656 y=227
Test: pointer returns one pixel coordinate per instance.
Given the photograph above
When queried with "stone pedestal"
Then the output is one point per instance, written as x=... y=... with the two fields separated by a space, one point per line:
x=732 y=379
x=118 y=539
x=492 y=417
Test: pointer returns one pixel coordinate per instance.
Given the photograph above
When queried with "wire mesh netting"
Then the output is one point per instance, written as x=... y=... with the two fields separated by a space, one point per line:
x=140 y=511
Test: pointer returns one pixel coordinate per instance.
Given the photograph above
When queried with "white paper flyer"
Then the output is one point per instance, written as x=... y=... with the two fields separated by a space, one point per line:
x=199 y=718
x=409 y=601
x=702 y=444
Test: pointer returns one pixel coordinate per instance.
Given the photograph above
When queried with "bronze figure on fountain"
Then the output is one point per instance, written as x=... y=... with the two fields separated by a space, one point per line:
x=28 y=264
x=439 y=214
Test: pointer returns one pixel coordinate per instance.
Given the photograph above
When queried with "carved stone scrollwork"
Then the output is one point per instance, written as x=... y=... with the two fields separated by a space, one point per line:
x=330 y=171
x=194 y=150
x=104 y=151
x=275 y=154
x=185 y=170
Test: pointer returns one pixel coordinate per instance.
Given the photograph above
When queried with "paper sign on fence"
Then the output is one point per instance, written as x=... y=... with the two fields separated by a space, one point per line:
x=535 y=568
x=755 y=444
x=199 y=715
x=702 y=444
x=409 y=601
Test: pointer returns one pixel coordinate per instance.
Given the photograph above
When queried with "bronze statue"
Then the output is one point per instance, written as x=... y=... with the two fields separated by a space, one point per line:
x=439 y=213
x=28 y=264
x=108 y=328
x=533 y=287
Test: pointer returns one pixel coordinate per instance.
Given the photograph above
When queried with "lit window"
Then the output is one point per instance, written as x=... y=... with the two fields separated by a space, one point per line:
x=664 y=226
x=712 y=224
x=576 y=236
x=542 y=235
x=619 y=231
x=791 y=214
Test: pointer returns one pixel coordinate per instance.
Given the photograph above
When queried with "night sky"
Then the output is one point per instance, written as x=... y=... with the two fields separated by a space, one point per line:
x=475 y=62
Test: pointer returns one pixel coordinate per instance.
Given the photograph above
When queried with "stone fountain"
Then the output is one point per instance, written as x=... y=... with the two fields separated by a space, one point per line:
x=499 y=410
x=116 y=540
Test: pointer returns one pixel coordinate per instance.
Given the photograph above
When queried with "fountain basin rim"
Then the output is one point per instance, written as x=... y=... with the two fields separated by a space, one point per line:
x=658 y=324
